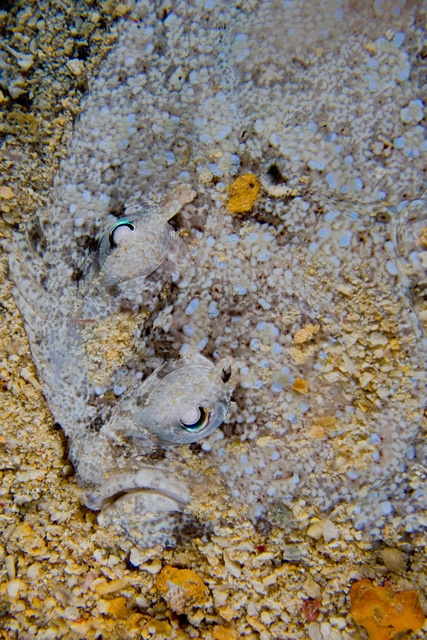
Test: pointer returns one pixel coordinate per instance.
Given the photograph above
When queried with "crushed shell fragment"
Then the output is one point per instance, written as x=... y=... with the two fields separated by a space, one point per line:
x=6 y=193
x=306 y=333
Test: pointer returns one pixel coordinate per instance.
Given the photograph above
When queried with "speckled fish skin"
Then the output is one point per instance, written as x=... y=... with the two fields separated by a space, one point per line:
x=297 y=301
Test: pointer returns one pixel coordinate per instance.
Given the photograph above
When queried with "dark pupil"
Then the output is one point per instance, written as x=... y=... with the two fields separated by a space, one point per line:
x=200 y=422
x=120 y=223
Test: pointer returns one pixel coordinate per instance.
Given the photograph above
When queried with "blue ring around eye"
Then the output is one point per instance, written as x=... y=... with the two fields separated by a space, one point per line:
x=120 y=223
x=200 y=422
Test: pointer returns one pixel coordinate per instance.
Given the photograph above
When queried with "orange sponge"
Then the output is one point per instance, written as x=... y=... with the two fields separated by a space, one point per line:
x=383 y=612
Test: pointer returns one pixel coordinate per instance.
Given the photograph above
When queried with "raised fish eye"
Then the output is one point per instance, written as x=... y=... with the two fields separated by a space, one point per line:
x=196 y=419
x=119 y=231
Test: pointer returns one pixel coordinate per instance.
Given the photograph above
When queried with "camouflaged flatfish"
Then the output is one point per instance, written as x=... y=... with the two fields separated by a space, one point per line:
x=155 y=282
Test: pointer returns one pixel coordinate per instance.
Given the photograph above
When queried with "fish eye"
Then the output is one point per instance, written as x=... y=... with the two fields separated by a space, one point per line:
x=196 y=419
x=119 y=230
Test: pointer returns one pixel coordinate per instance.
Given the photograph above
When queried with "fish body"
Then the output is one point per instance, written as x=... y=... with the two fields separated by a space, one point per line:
x=149 y=299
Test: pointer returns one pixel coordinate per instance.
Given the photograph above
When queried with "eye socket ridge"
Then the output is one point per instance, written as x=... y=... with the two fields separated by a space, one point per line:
x=124 y=222
x=200 y=423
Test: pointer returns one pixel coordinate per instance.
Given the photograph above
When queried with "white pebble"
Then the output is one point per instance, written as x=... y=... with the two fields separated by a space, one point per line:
x=391 y=268
x=414 y=112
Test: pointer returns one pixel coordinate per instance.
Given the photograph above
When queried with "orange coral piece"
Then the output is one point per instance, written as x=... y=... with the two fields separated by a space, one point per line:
x=383 y=612
x=242 y=193
x=181 y=588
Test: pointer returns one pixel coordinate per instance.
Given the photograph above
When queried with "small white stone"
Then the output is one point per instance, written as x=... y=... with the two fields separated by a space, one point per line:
x=391 y=268
x=34 y=570
x=12 y=588
x=17 y=87
x=10 y=567
x=339 y=622
x=414 y=112
x=76 y=66
x=325 y=630
x=269 y=580
x=112 y=560
x=152 y=567
x=311 y=588
x=330 y=531
x=315 y=531
x=26 y=61
x=98 y=555
x=314 y=631
x=232 y=566
x=136 y=557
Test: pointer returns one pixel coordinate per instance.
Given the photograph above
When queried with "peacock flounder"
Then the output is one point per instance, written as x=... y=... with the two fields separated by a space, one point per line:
x=196 y=353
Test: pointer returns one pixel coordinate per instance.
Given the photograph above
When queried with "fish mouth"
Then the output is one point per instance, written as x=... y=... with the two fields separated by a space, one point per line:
x=148 y=483
x=148 y=518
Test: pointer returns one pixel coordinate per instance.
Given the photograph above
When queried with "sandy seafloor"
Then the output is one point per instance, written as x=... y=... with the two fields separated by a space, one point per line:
x=61 y=575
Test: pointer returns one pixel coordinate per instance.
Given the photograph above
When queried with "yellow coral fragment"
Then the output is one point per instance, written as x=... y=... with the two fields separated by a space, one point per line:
x=181 y=588
x=224 y=633
x=116 y=608
x=383 y=612
x=394 y=344
x=300 y=385
x=242 y=193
